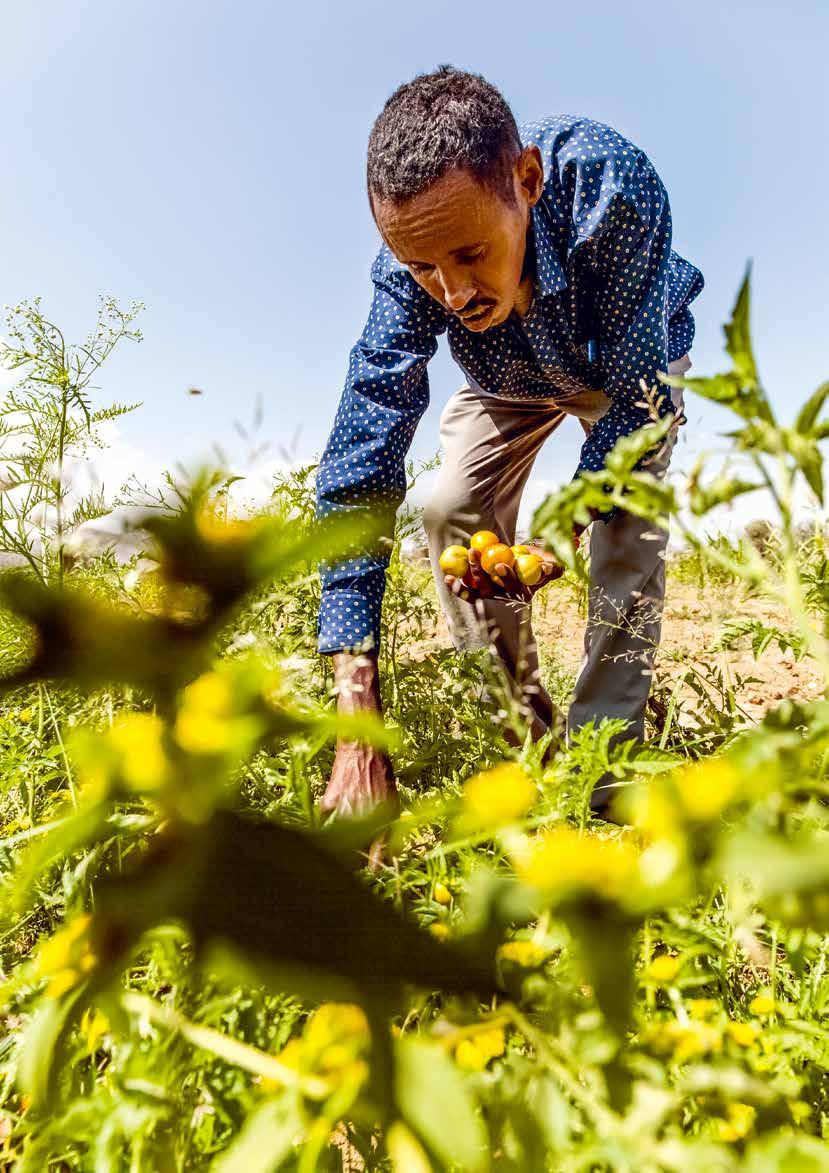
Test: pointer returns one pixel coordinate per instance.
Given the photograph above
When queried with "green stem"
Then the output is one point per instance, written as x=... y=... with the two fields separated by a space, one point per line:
x=64 y=755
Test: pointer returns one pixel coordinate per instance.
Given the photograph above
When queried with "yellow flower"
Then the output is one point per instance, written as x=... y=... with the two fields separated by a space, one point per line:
x=525 y=953
x=289 y=1056
x=663 y=968
x=25 y=714
x=800 y=1110
x=700 y=1008
x=207 y=722
x=473 y=1054
x=562 y=860
x=706 y=788
x=202 y=735
x=209 y=694
x=333 y=1041
x=744 y=1034
x=67 y=957
x=653 y=811
x=498 y=796
x=739 y=1124
x=94 y=1025
x=762 y=1004
x=491 y=1042
x=683 y=1041
x=469 y=1057
x=138 y=740
x=442 y=894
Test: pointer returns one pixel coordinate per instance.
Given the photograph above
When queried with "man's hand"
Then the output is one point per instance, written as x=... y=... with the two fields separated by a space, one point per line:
x=362 y=776
x=361 y=779
x=502 y=582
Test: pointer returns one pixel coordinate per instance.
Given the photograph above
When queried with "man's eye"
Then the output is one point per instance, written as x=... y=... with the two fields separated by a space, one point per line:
x=470 y=258
x=420 y=268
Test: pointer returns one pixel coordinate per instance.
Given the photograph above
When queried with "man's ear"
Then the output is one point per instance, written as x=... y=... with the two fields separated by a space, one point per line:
x=529 y=171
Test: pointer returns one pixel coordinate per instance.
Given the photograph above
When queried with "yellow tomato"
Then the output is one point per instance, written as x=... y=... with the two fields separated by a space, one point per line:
x=529 y=569
x=496 y=555
x=482 y=539
x=442 y=894
x=455 y=560
x=520 y=550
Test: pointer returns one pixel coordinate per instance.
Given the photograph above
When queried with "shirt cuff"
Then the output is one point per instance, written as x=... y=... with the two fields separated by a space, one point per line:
x=349 y=621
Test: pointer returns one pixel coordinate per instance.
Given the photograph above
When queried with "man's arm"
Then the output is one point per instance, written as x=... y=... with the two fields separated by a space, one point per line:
x=362 y=776
x=385 y=394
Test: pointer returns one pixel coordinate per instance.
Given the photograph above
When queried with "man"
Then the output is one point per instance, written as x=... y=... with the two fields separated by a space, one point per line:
x=545 y=255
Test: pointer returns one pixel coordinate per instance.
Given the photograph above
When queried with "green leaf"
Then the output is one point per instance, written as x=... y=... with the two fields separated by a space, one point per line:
x=791 y=877
x=738 y=335
x=728 y=390
x=629 y=450
x=283 y=898
x=760 y=436
x=269 y=1136
x=809 y=460
x=42 y=1048
x=77 y=831
x=405 y=1150
x=435 y=1100
x=807 y=416
x=718 y=492
x=786 y=1154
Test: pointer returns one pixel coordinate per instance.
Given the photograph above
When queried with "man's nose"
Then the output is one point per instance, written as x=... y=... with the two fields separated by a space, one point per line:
x=457 y=291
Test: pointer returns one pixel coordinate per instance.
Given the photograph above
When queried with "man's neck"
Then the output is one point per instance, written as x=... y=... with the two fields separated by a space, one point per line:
x=524 y=296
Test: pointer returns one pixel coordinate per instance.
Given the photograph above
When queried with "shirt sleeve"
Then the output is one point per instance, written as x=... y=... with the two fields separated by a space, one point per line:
x=386 y=392
x=625 y=222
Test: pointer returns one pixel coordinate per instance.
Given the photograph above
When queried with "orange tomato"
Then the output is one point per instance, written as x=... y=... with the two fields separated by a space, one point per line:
x=482 y=539
x=496 y=555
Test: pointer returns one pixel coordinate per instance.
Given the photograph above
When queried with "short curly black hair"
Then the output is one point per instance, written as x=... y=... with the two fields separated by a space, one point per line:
x=436 y=122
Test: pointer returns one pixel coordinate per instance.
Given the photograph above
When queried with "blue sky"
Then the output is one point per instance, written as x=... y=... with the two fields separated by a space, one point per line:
x=208 y=159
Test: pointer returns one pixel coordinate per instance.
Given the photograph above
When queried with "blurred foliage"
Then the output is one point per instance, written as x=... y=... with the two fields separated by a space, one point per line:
x=197 y=974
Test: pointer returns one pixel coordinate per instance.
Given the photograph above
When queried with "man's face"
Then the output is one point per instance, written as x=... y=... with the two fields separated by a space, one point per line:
x=464 y=244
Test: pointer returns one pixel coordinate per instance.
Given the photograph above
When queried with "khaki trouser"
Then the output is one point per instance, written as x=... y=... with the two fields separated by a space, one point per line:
x=490 y=445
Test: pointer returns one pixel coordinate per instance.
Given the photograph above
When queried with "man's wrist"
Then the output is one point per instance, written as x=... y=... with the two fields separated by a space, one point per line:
x=357 y=682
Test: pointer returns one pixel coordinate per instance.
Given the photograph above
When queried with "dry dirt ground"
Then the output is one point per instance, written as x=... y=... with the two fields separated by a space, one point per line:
x=692 y=622
x=693 y=619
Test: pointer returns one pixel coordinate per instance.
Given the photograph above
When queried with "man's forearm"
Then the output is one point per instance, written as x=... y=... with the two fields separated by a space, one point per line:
x=362 y=775
x=357 y=682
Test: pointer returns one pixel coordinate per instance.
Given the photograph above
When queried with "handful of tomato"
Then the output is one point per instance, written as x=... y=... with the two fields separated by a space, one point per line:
x=494 y=555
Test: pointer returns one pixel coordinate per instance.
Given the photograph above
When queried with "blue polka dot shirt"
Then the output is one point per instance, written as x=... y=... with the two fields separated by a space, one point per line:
x=610 y=307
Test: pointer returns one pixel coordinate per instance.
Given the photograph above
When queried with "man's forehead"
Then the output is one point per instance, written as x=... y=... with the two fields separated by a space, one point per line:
x=453 y=214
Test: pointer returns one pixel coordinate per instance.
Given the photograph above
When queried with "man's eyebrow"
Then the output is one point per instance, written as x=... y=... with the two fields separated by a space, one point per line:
x=467 y=248
x=464 y=248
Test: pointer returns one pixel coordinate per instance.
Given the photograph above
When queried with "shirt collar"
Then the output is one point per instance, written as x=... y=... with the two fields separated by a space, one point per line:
x=549 y=274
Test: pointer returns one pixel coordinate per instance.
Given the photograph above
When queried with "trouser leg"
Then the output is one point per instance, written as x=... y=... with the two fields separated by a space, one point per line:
x=489 y=447
x=625 y=604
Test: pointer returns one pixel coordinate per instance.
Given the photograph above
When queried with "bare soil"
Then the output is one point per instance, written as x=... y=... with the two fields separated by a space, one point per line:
x=692 y=621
